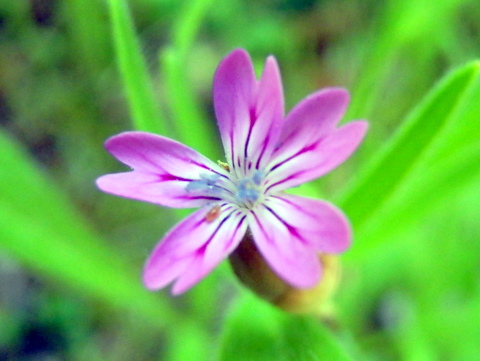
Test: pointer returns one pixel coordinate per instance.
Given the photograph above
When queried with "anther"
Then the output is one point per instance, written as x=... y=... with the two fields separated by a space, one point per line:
x=206 y=183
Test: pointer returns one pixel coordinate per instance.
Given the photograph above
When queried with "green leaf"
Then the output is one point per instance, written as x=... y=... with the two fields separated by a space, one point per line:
x=464 y=130
x=400 y=25
x=190 y=121
x=42 y=230
x=419 y=194
x=373 y=187
x=85 y=21
x=256 y=331
x=140 y=94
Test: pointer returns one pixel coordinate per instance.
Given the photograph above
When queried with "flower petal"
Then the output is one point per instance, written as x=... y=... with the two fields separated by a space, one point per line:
x=163 y=168
x=221 y=245
x=289 y=256
x=316 y=158
x=268 y=117
x=194 y=247
x=153 y=153
x=248 y=112
x=313 y=118
x=317 y=223
x=233 y=94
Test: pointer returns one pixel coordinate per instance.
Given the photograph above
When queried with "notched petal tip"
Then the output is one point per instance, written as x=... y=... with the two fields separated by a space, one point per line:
x=150 y=277
x=180 y=287
x=317 y=115
x=342 y=230
x=271 y=65
x=337 y=92
x=103 y=183
x=236 y=54
x=361 y=127
x=149 y=282
x=271 y=83
x=156 y=276
x=333 y=99
x=192 y=249
x=356 y=133
x=118 y=140
x=177 y=291
x=236 y=59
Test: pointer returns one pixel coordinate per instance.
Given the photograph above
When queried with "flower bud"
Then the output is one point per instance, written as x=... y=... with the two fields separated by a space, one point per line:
x=253 y=271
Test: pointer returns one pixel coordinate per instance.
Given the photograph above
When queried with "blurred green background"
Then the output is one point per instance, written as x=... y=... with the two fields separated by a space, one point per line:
x=74 y=72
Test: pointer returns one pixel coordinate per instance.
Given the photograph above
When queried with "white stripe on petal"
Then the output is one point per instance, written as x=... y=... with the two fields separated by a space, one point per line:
x=152 y=188
x=162 y=171
x=315 y=159
x=288 y=256
x=249 y=112
x=234 y=89
x=185 y=253
x=318 y=223
x=222 y=243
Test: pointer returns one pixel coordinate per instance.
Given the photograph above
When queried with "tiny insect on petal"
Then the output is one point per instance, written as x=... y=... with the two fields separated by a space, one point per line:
x=212 y=214
x=223 y=165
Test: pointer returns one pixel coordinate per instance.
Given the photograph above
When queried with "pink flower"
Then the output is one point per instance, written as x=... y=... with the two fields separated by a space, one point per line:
x=266 y=153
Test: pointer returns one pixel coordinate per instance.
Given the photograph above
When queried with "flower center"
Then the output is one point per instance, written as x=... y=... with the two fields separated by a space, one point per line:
x=245 y=192
x=249 y=190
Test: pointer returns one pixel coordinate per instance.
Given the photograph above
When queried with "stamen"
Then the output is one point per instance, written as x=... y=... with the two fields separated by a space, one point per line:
x=258 y=177
x=247 y=191
x=205 y=184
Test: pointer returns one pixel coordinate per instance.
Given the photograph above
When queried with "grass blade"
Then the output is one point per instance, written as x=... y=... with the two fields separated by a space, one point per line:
x=388 y=169
x=133 y=69
x=190 y=122
x=42 y=230
x=419 y=195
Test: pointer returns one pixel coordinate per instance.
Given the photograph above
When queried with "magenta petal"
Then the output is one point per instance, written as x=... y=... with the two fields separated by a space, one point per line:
x=317 y=158
x=313 y=118
x=153 y=153
x=162 y=170
x=219 y=247
x=267 y=117
x=248 y=112
x=289 y=256
x=317 y=223
x=233 y=94
x=193 y=248
x=221 y=244
x=151 y=188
